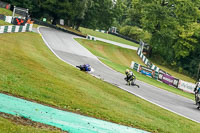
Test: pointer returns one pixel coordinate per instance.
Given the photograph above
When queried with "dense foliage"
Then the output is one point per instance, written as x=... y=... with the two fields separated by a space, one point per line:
x=171 y=27
x=174 y=28
x=90 y=13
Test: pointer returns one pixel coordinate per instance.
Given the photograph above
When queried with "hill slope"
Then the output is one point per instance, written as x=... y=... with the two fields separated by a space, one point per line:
x=29 y=69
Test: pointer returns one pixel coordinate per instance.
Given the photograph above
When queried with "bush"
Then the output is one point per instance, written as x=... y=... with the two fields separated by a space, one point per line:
x=125 y=30
x=135 y=33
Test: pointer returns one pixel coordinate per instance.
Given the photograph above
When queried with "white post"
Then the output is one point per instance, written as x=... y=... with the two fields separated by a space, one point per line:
x=13 y=14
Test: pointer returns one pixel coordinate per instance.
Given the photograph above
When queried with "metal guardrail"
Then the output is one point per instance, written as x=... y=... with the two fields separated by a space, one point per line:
x=39 y=22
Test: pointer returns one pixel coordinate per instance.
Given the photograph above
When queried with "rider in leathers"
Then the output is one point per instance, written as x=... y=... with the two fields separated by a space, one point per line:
x=196 y=90
x=129 y=76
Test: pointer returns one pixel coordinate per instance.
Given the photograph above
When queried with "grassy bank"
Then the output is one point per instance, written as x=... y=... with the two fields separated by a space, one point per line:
x=3 y=23
x=20 y=126
x=120 y=58
x=29 y=69
x=5 y=12
x=107 y=36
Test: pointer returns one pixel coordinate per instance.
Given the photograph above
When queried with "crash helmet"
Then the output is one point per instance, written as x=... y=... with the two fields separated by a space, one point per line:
x=127 y=71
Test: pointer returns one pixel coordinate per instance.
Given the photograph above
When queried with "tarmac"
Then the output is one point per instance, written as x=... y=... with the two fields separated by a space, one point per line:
x=67 y=49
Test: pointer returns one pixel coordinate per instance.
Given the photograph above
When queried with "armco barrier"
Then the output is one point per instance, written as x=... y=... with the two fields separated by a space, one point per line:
x=103 y=31
x=14 y=28
x=146 y=61
x=124 y=37
x=8 y=19
x=135 y=66
x=91 y=37
x=186 y=86
x=163 y=77
x=170 y=80
x=36 y=21
x=144 y=70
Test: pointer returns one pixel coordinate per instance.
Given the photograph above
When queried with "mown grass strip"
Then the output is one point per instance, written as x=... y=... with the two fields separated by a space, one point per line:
x=29 y=69
x=107 y=36
x=120 y=58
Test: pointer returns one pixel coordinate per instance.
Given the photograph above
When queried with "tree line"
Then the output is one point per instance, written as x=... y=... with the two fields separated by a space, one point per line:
x=173 y=30
x=89 y=13
x=170 y=27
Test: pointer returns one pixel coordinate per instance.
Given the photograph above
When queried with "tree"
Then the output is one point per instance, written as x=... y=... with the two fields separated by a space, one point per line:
x=100 y=15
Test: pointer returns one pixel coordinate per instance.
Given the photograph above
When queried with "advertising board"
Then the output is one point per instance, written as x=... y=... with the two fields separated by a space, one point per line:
x=146 y=71
x=186 y=86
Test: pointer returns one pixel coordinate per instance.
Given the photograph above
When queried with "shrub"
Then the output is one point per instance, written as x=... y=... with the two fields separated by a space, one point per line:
x=135 y=33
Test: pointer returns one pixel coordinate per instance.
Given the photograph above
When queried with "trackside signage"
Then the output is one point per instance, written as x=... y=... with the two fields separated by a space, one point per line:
x=167 y=79
x=186 y=86
x=146 y=71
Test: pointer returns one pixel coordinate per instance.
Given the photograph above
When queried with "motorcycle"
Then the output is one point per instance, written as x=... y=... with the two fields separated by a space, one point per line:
x=131 y=82
x=86 y=68
x=197 y=98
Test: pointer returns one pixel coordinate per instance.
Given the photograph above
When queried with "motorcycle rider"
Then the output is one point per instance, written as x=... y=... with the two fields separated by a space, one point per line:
x=196 y=91
x=85 y=67
x=129 y=76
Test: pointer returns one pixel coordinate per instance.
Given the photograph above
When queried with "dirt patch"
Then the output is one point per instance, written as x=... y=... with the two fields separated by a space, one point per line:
x=26 y=122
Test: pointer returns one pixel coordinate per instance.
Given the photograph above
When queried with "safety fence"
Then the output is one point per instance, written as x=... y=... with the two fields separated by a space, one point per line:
x=89 y=37
x=144 y=70
x=20 y=25
x=8 y=19
x=16 y=28
x=146 y=61
x=124 y=37
x=163 y=77
x=39 y=22
x=103 y=31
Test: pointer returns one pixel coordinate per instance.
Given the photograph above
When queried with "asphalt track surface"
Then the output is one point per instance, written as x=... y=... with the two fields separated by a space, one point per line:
x=70 y=51
x=117 y=44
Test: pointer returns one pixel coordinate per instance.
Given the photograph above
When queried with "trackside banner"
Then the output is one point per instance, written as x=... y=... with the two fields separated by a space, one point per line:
x=146 y=71
x=167 y=79
x=186 y=86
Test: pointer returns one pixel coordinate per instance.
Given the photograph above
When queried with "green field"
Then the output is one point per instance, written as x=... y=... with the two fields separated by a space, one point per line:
x=120 y=58
x=107 y=36
x=3 y=23
x=30 y=70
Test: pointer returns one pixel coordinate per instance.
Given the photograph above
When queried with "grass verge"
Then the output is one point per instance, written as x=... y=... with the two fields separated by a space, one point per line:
x=3 y=23
x=10 y=124
x=30 y=70
x=5 y=12
x=107 y=36
x=120 y=58
x=71 y=29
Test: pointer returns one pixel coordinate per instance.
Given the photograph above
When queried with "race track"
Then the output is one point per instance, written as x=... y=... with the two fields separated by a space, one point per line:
x=64 y=46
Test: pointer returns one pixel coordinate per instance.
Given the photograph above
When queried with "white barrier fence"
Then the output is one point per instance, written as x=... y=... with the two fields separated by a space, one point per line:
x=14 y=28
x=186 y=86
x=89 y=37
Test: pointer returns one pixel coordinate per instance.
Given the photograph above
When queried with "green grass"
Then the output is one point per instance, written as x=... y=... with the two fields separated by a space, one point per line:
x=71 y=29
x=35 y=25
x=5 y=12
x=8 y=126
x=120 y=58
x=107 y=36
x=29 y=69
x=3 y=23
